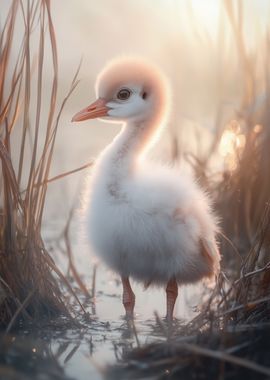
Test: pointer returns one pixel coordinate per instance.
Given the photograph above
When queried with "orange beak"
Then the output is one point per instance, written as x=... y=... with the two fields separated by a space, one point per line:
x=96 y=109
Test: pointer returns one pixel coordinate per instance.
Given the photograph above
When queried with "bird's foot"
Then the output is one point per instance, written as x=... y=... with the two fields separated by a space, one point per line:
x=172 y=293
x=169 y=318
x=129 y=311
x=129 y=315
x=128 y=298
x=129 y=303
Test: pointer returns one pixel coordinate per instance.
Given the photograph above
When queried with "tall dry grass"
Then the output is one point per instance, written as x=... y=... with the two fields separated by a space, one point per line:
x=29 y=120
x=245 y=193
x=242 y=193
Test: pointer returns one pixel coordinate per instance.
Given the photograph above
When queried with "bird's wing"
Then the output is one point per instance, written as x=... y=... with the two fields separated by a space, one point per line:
x=178 y=215
x=210 y=251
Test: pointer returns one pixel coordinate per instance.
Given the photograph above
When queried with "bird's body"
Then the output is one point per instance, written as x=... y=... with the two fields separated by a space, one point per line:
x=147 y=221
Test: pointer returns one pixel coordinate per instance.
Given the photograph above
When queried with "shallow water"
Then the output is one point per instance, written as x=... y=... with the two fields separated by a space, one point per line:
x=58 y=352
x=61 y=352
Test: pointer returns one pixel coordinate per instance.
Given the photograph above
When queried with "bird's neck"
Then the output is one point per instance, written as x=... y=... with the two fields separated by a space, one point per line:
x=122 y=155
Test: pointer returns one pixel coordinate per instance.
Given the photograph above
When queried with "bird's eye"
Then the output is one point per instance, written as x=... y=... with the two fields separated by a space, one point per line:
x=124 y=94
x=144 y=95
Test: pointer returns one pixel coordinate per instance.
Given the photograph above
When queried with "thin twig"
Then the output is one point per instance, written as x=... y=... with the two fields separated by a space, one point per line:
x=223 y=356
x=19 y=310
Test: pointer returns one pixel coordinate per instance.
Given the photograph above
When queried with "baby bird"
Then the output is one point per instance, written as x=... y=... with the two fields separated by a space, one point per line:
x=145 y=220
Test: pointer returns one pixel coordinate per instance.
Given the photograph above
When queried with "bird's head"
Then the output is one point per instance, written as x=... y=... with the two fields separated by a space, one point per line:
x=128 y=89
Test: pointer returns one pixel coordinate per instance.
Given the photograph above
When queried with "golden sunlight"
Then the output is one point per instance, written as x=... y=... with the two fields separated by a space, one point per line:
x=231 y=144
x=207 y=12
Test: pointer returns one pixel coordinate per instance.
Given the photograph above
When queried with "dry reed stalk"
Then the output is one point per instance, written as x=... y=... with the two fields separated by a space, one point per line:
x=243 y=193
x=246 y=191
x=25 y=265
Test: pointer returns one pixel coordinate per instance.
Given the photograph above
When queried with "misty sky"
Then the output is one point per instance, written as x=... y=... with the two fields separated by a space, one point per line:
x=181 y=36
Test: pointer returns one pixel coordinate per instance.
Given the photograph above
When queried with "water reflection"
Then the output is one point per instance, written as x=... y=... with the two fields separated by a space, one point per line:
x=58 y=350
x=25 y=357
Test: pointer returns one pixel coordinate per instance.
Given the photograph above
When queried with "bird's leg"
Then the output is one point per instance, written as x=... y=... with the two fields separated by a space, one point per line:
x=128 y=297
x=172 y=293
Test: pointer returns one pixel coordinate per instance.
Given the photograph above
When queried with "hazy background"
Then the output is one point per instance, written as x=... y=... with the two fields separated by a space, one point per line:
x=191 y=40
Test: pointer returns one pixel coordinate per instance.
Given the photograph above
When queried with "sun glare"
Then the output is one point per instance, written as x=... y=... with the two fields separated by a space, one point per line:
x=207 y=13
x=232 y=144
